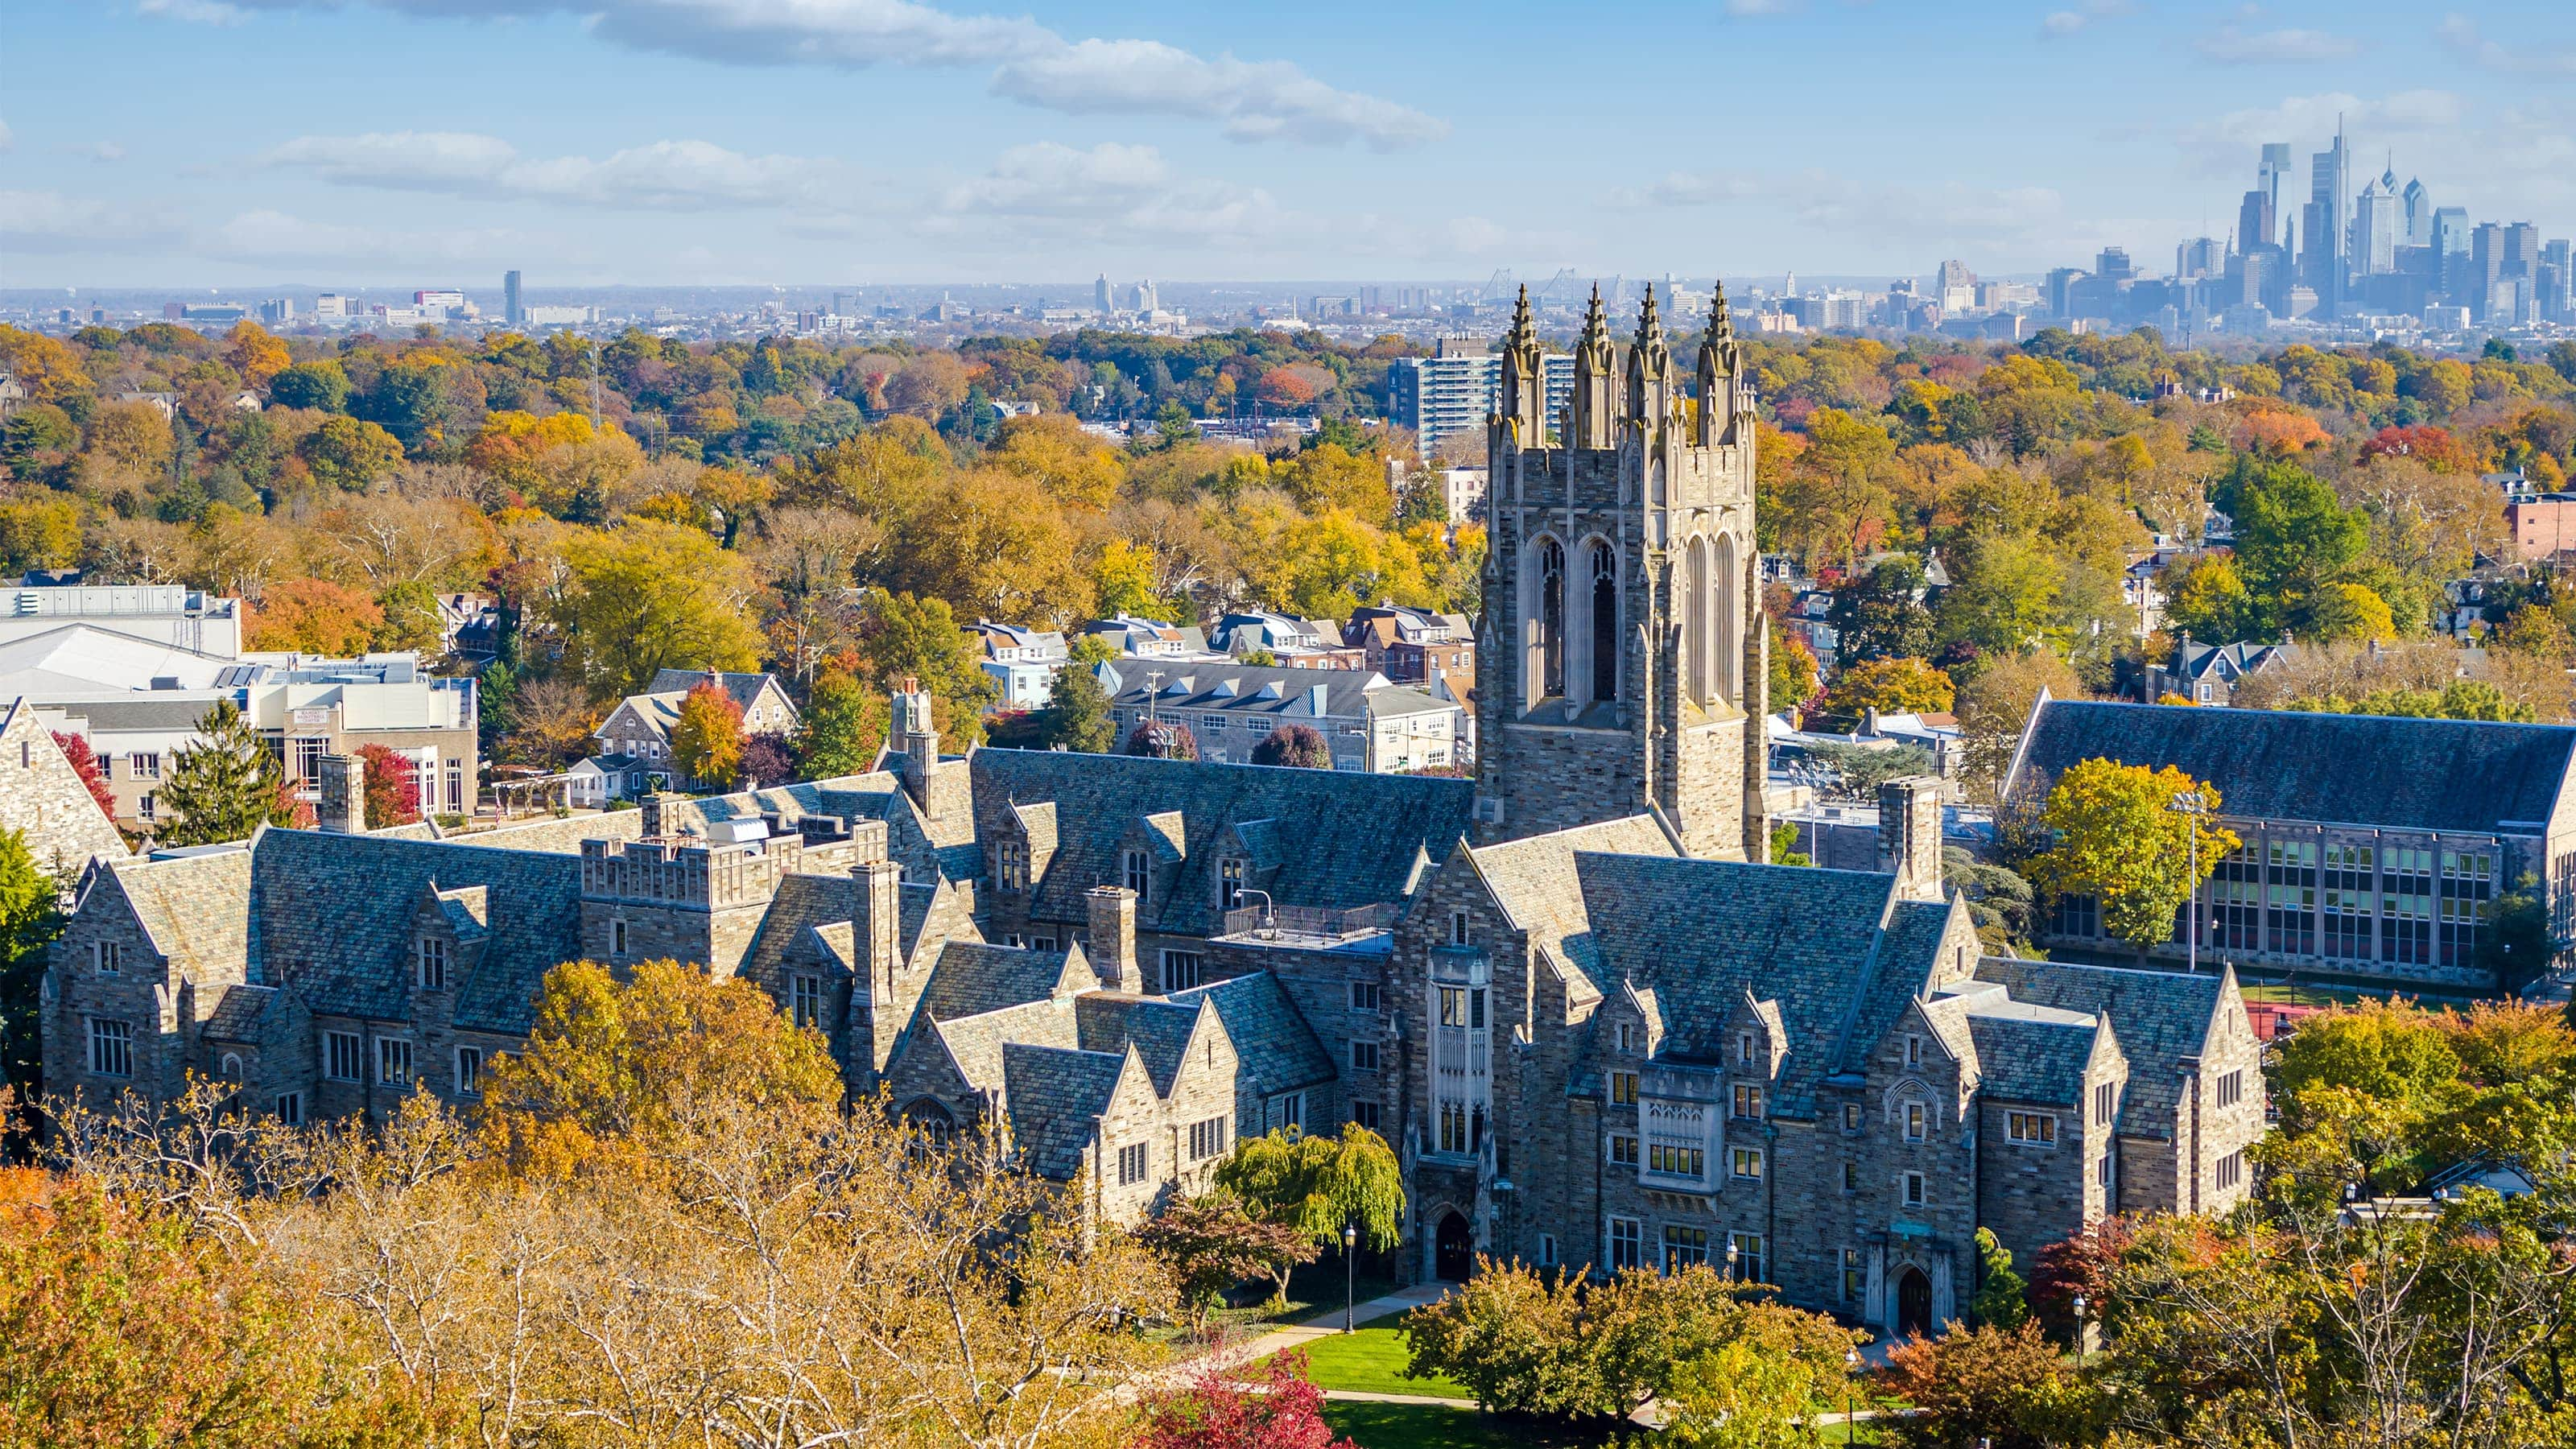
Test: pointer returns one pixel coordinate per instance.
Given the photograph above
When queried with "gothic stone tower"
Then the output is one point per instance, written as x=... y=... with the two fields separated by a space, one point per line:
x=1622 y=662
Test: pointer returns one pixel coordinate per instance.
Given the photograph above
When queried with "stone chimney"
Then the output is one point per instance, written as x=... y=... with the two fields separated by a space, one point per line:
x=1909 y=835
x=879 y=927
x=651 y=804
x=914 y=740
x=343 y=810
x=1113 y=937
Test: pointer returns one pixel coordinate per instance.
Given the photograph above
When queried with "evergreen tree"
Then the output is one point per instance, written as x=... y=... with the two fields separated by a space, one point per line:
x=2002 y=1298
x=844 y=727
x=1077 y=713
x=226 y=785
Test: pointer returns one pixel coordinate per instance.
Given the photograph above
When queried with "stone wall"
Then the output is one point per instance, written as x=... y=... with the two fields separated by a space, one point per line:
x=42 y=795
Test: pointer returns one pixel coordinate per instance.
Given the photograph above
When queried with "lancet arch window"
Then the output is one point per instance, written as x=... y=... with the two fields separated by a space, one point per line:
x=1726 y=631
x=1547 y=566
x=1603 y=580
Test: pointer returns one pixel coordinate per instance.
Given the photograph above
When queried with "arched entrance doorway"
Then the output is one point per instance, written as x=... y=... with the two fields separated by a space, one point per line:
x=1914 y=1304
x=1453 y=1249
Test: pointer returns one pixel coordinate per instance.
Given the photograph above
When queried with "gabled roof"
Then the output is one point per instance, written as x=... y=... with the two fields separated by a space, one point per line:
x=334 y=917
x=1159 y=1030
x=1055 y=1096
x=972 y=978
x=238 y=1014
x=2402 y=774
x=1272 y=1042
x=195 y=908
x=1535 y=882
x=2160 y=1017
x=2030 y=1052
x=1701 y=933
x=1342 y=838
x=744 y=688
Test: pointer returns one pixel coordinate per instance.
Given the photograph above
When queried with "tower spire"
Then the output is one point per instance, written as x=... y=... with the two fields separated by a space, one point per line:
x=1650 y=367
x=1596 y=381
x=1721 y=323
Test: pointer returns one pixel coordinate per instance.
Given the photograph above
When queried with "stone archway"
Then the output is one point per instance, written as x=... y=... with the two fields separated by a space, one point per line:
x=1913 y=1303
x=1453 y=1248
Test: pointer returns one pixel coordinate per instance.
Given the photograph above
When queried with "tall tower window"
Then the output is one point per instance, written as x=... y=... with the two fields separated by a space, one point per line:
x=1551 y=617
x=1605 y=623
x=1726 y=600
x=1698 y=649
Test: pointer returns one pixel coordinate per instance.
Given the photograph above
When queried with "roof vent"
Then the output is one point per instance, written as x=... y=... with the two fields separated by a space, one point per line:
x=165 y=681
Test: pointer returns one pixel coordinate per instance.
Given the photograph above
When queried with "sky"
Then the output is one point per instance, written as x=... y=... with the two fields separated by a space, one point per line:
x=230 y=144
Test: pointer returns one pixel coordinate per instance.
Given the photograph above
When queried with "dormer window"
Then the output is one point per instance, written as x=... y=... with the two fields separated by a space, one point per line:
x=1011 y=865
x=429 y=963
x=1140 y=874
x=1230 y=873
x=1457 y=928
x=1744 y=1048
x=1627 y=1037
x=1914 y=1051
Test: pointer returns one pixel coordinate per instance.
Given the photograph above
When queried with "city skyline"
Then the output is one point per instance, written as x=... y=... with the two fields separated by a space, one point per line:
x=894 y=143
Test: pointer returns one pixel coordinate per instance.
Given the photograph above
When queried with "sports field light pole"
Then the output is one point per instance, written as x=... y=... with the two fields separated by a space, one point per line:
x=2189 y=805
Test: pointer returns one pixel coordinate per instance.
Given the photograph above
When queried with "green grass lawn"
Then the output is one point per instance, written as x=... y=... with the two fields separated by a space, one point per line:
x=1371 y=1361
x=1431 y=1426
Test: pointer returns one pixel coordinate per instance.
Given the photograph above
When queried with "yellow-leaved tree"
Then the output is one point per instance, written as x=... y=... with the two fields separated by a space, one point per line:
x=2125 y=835
x=706 y=740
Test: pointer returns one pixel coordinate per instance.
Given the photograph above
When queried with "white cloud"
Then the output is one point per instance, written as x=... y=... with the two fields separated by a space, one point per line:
x=196 y=12
x=2231 y=46
x=2461 y=34
x=1250 y=100
x=48 y=221
x=276 y=237
x=662 y=176
x=1050 y=192
x=104 y=152
x=1759 y=7
x=2406 y=114
x=2058 y=24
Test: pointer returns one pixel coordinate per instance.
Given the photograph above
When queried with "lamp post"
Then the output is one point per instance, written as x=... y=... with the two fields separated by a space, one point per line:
x=1350 y=1274
x=1851 y=1387
x=2079 y=1329
x=1730 y=1259
x=2189 y=805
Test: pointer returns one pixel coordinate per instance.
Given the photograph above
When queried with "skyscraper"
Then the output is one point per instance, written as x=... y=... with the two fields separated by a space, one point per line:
x=2419 y=214
x=2329 y=187
x=2256 y=224
x=2113 y=265
x=1100 y=293
x=2270 y=175
x=513 y=312
x=2375 y=223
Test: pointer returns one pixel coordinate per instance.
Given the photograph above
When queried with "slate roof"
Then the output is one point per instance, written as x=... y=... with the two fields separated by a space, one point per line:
x=2031 y=1053
x=973 y=978
x=1281 y=691
x=195 y=907
x=1535 y=881
x=1342 y=839
x=1273 y=1045
x=238 y=1012
x=1702 y=933
x=975 y=1042
x=2401 y=774
x=1052 y=1095
x=2160 y=1017
x=744 y=688
x=1159 y=1030
x=334 y=916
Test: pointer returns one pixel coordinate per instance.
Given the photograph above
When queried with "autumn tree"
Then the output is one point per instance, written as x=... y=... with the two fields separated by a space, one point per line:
x=349 y=454
x=647 y=596
x=1995 y=707
x=1269 y=1406
x=2121 y=840
x=1890 y=686
x=706 y=739
x=393 y=786
x=224 y=784
x=315 y=616
x=1297 y=746
x=1793 y=670
x=85 y=763
x=1211 y=1244
x=2009 y=1388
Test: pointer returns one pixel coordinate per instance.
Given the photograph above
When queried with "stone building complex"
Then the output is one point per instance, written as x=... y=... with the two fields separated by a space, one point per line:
x=1595 y=1027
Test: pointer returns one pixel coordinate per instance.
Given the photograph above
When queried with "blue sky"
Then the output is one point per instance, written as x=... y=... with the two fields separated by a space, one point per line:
x=233 y=143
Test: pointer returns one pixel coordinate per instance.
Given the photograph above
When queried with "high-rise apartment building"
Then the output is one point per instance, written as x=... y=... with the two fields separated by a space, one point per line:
x=1459 y=386
x=2199 y=257
x=513 y=311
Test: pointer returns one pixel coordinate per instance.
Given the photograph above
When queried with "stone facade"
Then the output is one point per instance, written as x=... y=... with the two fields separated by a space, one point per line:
x=43 y=796
x=1621 y=664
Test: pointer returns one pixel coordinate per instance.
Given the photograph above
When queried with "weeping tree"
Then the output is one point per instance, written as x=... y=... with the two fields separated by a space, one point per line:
x=1317 y=1186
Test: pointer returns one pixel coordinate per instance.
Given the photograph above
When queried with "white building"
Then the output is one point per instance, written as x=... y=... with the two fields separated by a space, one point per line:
x=1454 y=390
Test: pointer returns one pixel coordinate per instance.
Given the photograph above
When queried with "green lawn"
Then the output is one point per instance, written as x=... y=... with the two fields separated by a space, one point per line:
x=1371 y=1361
x=1431 y=1426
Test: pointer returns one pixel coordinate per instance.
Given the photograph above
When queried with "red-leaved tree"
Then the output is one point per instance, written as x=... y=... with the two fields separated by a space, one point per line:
x=393 y=787
x=1272 y=1407
x=85 y=764
x=1298 y=746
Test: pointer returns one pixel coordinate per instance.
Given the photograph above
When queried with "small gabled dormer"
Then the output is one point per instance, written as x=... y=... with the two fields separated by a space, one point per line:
x=1149 y=855
x=1023 y=848
x=1247 y=860
x=449 y=928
